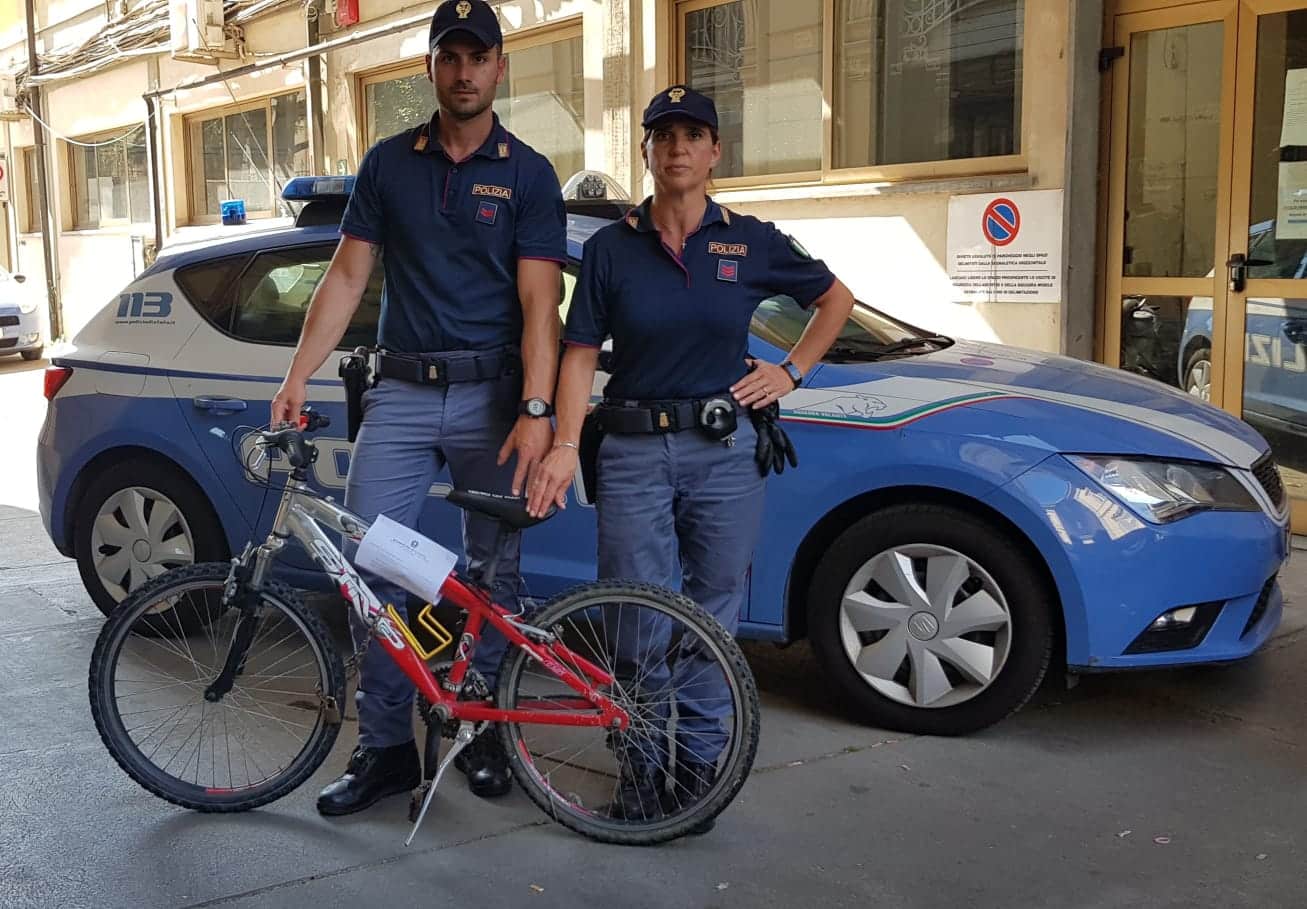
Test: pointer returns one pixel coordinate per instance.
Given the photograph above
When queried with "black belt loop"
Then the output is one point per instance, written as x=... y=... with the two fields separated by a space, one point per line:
x=441 y=371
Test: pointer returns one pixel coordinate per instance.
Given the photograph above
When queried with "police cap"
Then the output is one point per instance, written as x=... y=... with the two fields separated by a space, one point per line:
x=678 y=101
x=472 y=16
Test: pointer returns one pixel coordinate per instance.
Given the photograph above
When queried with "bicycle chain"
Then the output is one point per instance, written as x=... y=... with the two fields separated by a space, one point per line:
x=474 y=689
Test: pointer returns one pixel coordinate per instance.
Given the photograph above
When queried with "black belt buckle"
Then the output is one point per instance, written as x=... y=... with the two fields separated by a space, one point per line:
x=664 y=420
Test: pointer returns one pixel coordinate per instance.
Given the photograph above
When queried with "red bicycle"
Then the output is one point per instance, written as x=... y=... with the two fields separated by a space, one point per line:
x=627 y=712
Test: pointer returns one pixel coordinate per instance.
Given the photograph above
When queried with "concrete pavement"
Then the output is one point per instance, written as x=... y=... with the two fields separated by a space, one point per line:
x=1183 y=788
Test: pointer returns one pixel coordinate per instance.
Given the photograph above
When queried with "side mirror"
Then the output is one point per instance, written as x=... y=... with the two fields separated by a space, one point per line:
x=20 y=278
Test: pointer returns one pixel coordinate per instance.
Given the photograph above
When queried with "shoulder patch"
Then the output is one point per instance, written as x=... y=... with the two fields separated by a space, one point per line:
x=798 y=247
x=726 y=214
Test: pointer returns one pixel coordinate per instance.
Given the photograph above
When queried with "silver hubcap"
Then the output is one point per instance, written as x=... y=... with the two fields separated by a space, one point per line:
x=138 y=534
x=925 y=626
x=1200 y=380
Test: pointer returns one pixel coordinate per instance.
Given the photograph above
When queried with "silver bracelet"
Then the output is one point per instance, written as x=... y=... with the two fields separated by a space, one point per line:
x=567 y=445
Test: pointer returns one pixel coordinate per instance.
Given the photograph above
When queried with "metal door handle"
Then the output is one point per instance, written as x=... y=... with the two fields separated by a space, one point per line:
x=1238 y=265
x=218 y=404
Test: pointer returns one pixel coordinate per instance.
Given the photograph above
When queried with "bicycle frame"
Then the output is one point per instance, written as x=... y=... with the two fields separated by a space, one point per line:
x=300 y=514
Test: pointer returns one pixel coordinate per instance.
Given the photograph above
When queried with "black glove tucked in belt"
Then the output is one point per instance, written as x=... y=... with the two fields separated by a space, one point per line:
x=774 y=447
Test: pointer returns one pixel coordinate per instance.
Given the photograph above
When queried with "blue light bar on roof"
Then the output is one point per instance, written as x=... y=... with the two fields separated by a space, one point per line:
x=307 y=189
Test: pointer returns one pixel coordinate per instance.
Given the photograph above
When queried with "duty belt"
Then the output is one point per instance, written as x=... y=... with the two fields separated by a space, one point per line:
x=437 y=370
x=622 y=417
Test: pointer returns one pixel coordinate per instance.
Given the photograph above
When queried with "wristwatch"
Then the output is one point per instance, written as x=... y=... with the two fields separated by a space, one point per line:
x=535 y=407
x=793 y=372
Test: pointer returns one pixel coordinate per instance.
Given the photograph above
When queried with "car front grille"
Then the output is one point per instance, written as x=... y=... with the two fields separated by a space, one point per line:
x=8 y=320
x=1268 y=475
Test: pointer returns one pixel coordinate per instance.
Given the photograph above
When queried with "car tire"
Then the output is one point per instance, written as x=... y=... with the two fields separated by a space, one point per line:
x=946 y=664
x=34 y=354
x=190 y=535
x=1198 y=374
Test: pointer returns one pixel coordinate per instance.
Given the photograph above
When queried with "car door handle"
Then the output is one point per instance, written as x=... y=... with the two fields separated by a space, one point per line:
x=218 y=404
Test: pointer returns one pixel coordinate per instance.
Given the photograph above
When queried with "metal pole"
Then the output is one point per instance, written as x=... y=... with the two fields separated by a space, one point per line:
x=316 y=108
x=48 y=220
x=156 y=184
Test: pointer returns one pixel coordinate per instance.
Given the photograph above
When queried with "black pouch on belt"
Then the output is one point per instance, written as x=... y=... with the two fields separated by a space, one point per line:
x=355 y=373
x=591 y=435
x=774 y=447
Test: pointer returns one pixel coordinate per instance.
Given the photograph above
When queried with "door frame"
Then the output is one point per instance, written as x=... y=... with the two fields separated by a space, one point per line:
x=1116 y=286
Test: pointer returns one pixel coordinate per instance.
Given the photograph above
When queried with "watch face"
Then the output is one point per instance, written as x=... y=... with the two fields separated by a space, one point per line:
x=535 y=407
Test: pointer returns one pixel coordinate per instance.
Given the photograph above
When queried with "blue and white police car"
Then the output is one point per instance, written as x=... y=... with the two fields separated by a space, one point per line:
x=963 y=516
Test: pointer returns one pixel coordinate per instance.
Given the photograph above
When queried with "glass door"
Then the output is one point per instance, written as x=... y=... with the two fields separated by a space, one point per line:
x=1267 y=268
x=1171 y=140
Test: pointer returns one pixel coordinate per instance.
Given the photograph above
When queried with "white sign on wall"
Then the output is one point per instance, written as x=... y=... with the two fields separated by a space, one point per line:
x=1006 y=248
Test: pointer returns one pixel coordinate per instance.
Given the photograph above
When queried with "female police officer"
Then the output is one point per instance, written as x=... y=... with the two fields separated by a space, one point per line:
x=674 y=285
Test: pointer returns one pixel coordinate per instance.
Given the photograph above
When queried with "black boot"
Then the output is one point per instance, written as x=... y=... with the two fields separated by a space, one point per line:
x=486 y=765
x=694 y=779
x=641 y=791
x=372 y=774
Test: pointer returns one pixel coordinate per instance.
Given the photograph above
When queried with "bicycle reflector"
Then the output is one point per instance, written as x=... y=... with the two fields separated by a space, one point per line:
x=55 y=378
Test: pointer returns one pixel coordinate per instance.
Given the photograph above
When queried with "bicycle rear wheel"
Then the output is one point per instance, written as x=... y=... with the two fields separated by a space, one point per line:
x=693 y=705
x=167 y=643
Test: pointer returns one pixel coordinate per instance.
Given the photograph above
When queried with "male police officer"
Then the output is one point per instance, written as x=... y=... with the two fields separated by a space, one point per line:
x=472 y=225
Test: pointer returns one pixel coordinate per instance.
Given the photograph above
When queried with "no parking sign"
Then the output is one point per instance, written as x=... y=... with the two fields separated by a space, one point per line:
x=1006 y=248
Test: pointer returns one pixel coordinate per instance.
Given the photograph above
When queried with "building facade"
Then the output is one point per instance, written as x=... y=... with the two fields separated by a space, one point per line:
x=1111 y=179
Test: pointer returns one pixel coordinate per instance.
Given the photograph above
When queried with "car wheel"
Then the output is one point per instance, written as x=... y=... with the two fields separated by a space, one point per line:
x=928 y=620
x=33 y=354
x=136 y=520
x=1198 y=374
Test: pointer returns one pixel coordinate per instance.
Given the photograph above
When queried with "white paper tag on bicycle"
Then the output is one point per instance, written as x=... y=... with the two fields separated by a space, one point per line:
x=405 y=557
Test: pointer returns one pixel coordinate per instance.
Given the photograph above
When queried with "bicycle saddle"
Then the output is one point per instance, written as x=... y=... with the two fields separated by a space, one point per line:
x=508 y=510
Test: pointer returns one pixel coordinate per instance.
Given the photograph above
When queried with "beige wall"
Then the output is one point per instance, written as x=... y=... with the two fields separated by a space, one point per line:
x=888 y=240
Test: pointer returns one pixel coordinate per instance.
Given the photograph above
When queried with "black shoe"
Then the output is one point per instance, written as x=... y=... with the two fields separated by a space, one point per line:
x=694 y=780
x=486 y=765
x=641 y=792
x=372 y=774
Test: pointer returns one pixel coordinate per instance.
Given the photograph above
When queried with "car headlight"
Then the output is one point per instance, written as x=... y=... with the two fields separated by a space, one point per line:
x=1165 y=491
x=27 y=307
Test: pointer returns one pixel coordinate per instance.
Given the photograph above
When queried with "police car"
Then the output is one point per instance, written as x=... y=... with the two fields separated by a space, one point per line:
x=963 y=515
x=1275 y=343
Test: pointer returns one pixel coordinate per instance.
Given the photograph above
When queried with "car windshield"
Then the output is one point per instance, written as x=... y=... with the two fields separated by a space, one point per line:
x=867 y=335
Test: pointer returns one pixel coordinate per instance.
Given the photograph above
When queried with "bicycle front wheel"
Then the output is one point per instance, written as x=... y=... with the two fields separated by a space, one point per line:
x=689 y=692
x=158 y=712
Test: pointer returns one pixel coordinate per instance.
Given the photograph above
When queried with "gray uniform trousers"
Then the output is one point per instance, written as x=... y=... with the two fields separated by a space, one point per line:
x=409 y=432
x=682 y=511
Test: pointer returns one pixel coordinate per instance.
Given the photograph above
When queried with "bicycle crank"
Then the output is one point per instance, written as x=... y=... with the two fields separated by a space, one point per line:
x=426 y=791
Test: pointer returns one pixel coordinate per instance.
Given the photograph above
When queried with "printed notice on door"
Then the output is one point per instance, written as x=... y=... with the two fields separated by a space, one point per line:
x=1006 y=248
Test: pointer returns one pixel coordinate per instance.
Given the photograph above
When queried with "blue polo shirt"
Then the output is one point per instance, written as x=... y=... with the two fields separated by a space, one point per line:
x=680 y=322
x=452 y=233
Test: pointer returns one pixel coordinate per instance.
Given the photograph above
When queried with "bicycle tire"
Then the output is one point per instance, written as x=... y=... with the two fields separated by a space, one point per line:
x=731 y=776
x=113 y=732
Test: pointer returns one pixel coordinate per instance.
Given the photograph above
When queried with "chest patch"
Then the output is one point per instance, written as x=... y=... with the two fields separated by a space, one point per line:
x=727 y=249
x=487 y=212
x=486 y=189
x=728 y=270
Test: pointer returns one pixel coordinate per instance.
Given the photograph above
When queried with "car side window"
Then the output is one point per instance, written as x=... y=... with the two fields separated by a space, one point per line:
x=208 y=285
x=273 y=296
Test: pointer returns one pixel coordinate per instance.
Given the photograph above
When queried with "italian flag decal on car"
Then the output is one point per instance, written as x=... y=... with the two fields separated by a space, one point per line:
x=849 y=408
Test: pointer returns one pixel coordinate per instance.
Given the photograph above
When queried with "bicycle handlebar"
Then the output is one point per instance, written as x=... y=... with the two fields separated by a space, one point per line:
x=290 y=438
